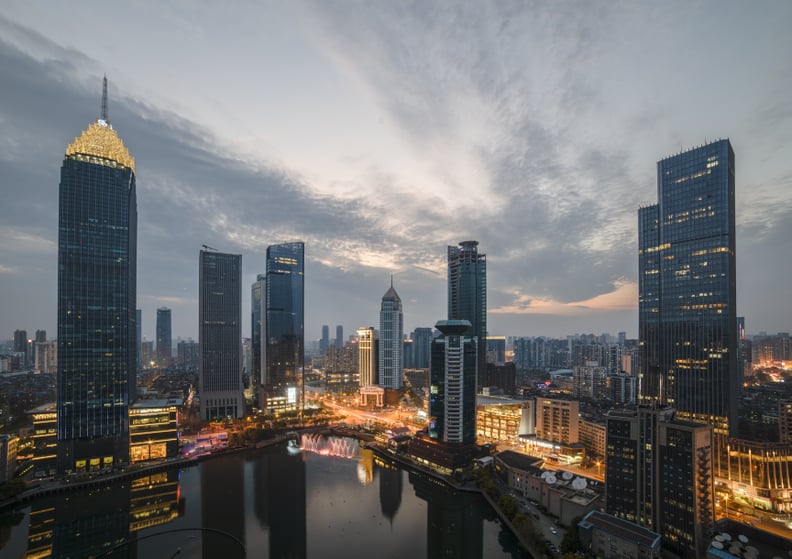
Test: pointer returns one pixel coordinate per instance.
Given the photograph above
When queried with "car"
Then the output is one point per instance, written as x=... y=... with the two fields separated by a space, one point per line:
x=553 y=530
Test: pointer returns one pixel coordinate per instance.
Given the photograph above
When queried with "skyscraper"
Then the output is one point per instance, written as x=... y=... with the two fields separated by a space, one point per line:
x=467 y=296
x=164 y=343
x=138 y=338
x=391 y=366
x=367 y=356
x=97 y=273
x=220 y=335
x=452 y=378
x=422 y=349
x=324 y=342
x=284 y=337
x=687 y=288
x=339 y=341
x=257 y=292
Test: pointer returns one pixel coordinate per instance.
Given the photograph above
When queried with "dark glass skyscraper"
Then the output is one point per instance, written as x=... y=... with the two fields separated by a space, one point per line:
x=467 y=296
x=257 y=292
x=220 y=335
x=284 y=321
x=97 y=272
x=687 y=288
x=164 y=342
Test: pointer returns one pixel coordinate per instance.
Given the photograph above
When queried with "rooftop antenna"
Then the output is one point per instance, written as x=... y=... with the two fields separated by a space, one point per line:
x=391 y=280
x=104 y=99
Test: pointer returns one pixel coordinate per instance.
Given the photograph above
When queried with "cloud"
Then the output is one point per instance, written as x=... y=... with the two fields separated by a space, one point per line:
x=623 y=297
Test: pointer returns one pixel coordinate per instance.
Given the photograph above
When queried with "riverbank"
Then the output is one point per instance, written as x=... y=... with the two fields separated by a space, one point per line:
x=69 y=485
x=469 y=486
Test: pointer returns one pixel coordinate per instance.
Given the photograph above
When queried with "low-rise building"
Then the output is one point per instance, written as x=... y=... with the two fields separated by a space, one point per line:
x=9 y=444
x=609 y=537
x=153 y=430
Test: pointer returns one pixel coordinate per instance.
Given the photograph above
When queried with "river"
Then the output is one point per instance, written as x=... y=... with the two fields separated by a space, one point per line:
x=332 y=499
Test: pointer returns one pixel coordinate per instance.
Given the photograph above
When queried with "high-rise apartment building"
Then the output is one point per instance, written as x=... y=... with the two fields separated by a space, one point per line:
x=283 y=338
x=97 y=274
x=391 y=364
x=659 y=473
x=164 y=340
x=467 y=296
x=339 y=339
x=367 y=356
x=687 y=295
x=220 y=335
x=452 y=378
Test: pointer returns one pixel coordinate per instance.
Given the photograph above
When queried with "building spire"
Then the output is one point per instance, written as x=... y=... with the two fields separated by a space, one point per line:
x=104 y=100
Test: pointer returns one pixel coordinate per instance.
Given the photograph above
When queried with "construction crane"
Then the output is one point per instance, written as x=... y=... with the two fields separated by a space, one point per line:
x=207 y=247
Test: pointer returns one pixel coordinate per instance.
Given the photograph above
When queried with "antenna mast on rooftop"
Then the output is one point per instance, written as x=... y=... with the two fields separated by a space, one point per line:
x=104 y=99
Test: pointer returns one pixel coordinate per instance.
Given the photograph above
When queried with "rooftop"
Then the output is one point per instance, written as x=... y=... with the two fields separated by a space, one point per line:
x=623 y=529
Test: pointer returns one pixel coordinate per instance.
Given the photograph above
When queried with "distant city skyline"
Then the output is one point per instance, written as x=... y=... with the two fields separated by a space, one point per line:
x=380 y=134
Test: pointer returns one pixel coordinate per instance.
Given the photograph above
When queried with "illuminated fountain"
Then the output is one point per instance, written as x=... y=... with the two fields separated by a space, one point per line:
x=342 y=447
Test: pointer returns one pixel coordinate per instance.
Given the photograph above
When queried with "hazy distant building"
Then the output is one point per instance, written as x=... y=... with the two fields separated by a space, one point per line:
x=258 y=315
x=467 y=296
x=324 y=341
x=284 y=315
x=46 y=356
x=164 y=341
x=97 y=275
x=21 y=343
x=339 y=339
x=147 y=354
x=496 y=349
x=367 y=356
x=219 y=335
x=41 y=336
x=187 y=354
x=422 y=348
x=390 y=340
x=687 y=288
x=138 y=339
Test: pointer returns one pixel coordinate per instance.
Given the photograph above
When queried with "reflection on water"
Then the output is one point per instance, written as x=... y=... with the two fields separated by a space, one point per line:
x=342 y=447
x=276 y=504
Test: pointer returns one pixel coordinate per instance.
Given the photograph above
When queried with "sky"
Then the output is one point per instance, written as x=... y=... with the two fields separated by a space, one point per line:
x=381 y=132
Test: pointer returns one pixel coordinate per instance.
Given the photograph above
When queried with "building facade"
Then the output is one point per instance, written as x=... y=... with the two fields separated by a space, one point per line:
x=219 y=335
x=164 y=340
x=283 y=338
x=687 y=288
x=97 y=275
x=257 y=316
x=391 y=351
x=452 y=378
x=467 y=297
x=367 y=356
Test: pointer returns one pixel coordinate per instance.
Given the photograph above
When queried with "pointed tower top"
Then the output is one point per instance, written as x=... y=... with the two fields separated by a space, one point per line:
x=103 y=116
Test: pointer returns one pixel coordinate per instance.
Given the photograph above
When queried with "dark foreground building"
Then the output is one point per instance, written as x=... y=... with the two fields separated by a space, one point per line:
x=97 y=272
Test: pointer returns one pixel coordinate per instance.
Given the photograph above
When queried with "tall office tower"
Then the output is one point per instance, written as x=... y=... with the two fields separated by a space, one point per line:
x=21 y=344
x=391 y=350
x=367 y=356
x=687 y=319
x=164 y=341
x=97 y=275
x=467 y=296
x=452 y=379
x=339 y=339
x=324 y=343
x=138 y=339
x=257 y=312
x=220 y=335
x=422 y=348
x=659 y=472
x=283 y=336
x=41 y=336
